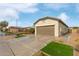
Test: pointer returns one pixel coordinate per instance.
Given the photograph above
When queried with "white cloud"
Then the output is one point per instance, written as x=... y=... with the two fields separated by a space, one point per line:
x=14 y=9
x=11 y=11
x=56 y=6
x=22 y=7
x=8 y=13
x=63 y=16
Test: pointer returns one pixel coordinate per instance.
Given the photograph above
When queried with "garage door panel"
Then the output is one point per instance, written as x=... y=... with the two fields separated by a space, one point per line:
x=45 y=30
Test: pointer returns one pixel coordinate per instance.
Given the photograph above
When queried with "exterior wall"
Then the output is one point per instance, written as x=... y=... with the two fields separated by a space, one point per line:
x=0 y=27
x=74 y=30
x=48 y=22
x=13 y=30
x=62 y=29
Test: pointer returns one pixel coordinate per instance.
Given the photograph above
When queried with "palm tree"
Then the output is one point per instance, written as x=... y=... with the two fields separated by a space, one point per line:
x=3 y=25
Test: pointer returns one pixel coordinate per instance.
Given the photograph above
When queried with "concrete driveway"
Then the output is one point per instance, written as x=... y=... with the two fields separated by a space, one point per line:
x=5 y=49
x=27 y=46
x=24 y=46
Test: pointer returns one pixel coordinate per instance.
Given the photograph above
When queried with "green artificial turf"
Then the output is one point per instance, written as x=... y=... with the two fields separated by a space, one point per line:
x=58 y=49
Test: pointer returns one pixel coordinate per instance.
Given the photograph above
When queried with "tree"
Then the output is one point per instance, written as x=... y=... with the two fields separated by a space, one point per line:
x=3 y=25
x=32 y=30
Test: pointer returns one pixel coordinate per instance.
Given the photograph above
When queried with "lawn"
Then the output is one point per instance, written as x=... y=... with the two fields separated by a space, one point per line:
x=58 y=49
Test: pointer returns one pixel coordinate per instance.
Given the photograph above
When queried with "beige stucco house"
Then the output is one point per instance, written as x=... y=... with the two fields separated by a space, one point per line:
x=13 y=29
x=50 y=26
x=74 y=29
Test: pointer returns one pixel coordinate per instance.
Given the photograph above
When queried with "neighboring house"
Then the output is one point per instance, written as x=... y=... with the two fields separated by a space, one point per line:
x=4 y=29
x=50 y=26
x=0 y=28
x=13 y=29
x=74 y=29
x=25 y=30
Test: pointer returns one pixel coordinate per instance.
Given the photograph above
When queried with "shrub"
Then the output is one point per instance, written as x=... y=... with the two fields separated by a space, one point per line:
x=19 y=35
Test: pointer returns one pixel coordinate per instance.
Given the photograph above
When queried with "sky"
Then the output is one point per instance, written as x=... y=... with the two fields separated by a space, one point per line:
x=25 y=14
